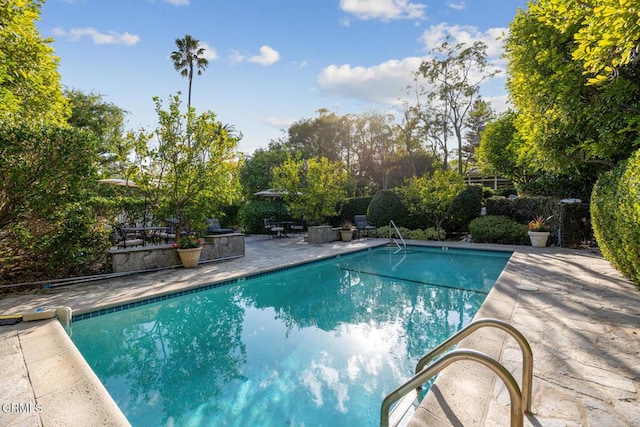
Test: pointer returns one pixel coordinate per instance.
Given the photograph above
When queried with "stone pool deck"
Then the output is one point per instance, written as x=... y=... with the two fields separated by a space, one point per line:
x=580 y=316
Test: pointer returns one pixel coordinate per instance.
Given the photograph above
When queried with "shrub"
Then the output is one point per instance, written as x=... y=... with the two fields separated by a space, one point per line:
x=498 y=229
x=352 y=207
x=465 y=207
x=427 y=234
x=384 y=207
x=576 y=224
x=615 y=215
x=251 y=215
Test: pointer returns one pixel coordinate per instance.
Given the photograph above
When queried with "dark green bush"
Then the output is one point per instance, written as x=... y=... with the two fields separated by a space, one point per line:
x=576 y=225
x=384 y=207
x=465 y=207
x=251 y=215
x=615 y=215
x=427 y=234
x=498 y=229
x=561 y=186
x=352 y=207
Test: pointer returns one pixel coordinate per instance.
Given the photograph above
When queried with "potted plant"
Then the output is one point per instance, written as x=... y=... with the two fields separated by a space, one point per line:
x=539 y=231
x=346 y=231
x=189 y=248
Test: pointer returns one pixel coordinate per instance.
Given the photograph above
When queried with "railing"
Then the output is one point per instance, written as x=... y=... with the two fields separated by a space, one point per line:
x=520 y=401
x=392 y=224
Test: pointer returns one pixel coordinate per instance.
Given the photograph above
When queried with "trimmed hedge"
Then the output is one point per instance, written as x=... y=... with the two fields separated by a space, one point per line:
x=524 y=209
x=251 y=215
x=498 y=229
x=465 y=207
x=352 y=207
x=384 y=207
x=615 y=214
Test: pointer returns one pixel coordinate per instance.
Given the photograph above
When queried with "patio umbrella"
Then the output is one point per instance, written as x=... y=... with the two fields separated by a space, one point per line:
x=119 y=181
x=270 y=193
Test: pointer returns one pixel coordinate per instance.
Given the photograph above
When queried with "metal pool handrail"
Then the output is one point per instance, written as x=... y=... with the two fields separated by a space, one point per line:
x=393 y=224
x=517 y=416
x=527 y=362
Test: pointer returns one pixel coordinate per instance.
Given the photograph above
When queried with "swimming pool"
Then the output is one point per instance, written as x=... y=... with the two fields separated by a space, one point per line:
x=316 y=345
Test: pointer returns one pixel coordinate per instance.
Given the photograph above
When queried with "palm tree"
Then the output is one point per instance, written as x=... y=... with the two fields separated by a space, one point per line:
x=188 y=55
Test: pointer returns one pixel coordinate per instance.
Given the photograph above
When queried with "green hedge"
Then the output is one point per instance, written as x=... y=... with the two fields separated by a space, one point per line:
x=615 y=215
x=498 y=229
x=385 y=206
x=352 y=207
x=524 y=209
x=251 y=215
x=465 y=207
x=427 y=234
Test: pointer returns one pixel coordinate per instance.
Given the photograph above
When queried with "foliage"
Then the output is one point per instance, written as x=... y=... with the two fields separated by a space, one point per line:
x=606 y=38
x=312 y=188
x=500 y=150
x=563 y=122
x=252 y=213
x=498 y=229
x=539 y=223
x=479 y=116
x=433 y=196
x=41 y=169
x=78 y=243
x=453 y=76
x=522 y=209
x=354 y=206
x=90 y=112
x=561 y=186
x=191 y=172
x=384 y=207
x=430 y=233
x=576 y=225
x=465 y=207
x=30 y=89
x=615 y=215
x=188 y=242
x=189 y=55
x=257 y=171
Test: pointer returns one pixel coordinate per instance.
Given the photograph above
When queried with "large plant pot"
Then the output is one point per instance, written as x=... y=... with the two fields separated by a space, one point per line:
x=539 y=238
x=190 y=257
x=346 y=235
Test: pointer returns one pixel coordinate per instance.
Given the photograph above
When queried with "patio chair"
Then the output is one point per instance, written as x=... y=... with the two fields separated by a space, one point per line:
x=125 y=240
x=214 y=227
x=297 y=227
x=363 y=227
x=273 y=227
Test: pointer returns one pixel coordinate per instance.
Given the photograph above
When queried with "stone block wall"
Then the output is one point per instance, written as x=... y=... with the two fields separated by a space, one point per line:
x=159 y=256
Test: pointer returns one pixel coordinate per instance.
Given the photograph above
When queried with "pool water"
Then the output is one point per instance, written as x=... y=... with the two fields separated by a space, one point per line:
x=317 y=345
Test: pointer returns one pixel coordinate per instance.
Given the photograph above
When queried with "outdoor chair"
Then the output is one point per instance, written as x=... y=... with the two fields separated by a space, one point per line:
x=297 y=227
x=363 y=227
x=125 y=240
x=214 y=227
x=273 y=227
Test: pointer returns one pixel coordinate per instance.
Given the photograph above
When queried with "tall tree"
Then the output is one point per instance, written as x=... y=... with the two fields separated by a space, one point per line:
x=607 y=35
x=90 y=112
x=189 y=55
x=30 y=87
x=453 y=77
x=565 y=123
x=480 y=114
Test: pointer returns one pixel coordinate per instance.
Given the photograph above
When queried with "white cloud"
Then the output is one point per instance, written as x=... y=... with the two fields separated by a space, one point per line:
x=178 y=2
x=75 y=34
x=382 y=84
x=267 y=56
x=209 y=52
x=384 y=10
x=493 y=37
x=457 y=6
x=279 y=122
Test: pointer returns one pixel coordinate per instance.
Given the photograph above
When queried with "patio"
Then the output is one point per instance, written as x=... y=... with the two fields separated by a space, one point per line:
x=578 y=314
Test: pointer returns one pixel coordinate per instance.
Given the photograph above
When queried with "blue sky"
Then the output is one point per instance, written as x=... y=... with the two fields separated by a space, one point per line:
x=270 y=62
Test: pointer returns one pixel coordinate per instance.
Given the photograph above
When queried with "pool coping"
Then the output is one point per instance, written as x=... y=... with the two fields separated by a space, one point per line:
x=489 y=408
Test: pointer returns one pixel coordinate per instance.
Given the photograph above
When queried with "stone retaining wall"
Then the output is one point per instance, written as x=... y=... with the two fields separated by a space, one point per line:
x=159 y=256
x=322 y=234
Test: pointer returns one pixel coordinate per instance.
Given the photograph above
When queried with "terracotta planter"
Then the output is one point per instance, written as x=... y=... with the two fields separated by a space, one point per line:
x=539 y=238
x=346 y=235
x=190 y=257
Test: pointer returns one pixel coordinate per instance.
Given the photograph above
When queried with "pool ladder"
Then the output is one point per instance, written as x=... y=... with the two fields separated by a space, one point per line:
x=520 y=400
x=404 y=245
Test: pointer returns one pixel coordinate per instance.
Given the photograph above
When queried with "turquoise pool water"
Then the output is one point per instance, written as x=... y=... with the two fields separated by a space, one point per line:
x=316 y=345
